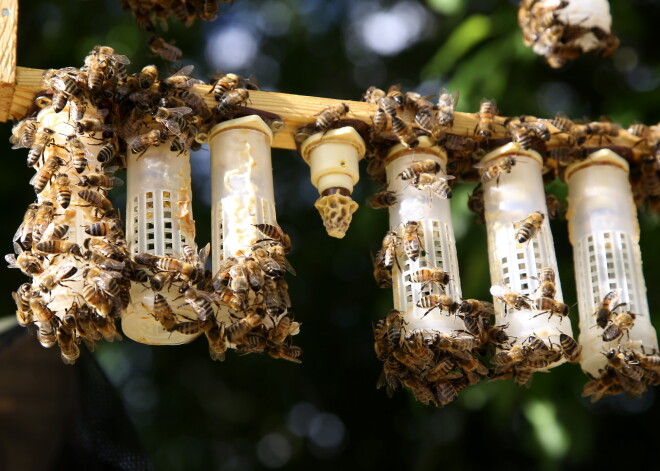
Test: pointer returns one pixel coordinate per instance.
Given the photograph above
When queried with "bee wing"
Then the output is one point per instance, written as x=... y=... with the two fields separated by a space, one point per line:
x=119 y=58
x=180 y=111
x=204 y=254
x=172 y=126
x=10 y=258
x=446 y=177
x=185 y=70
x=482 y=164
x=498 y=291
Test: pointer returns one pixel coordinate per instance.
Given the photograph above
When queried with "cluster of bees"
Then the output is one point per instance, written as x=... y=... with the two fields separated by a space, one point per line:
x=148 y=13
x=71 y=240
x=556 y=40
x=626 y=370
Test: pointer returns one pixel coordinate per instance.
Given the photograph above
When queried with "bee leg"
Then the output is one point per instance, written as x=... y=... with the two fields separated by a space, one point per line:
x=437 y=305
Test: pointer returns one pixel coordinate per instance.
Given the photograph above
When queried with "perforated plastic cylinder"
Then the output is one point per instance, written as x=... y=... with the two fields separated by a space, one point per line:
x=433 y=215
x=509 y=199
x=605 y=236
x=159 y=221
x=241 y=185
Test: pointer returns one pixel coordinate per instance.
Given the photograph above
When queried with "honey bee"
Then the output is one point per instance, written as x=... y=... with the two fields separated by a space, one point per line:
x=23 y=133
x=268 y=264
x=274 y=303
x=412 y=242
x=404 y=133
x=107 y=152
x=42 y=220
x=231 y=100
x=493 y=170
x=440 y=370
x=98 y=299
x=173 y=119
x=237 y=331
x=24 y=233
x=437 y=184
x=165 y=50
x=570 y=348
x=638 y=130
x=79 y=153
x=232 y=300
x=580 y=132
x=100 y=180
x=216 y=339
x=474 y=307
x=651 y=362
x=106 y=327
x=497 y=335
x=425 y=120
x=181 y=80
x=140 y=144
x=445 y=392
x=476 y=205
x=463 y=343
x=621 y=324
x=27 y=262
x=45 y=173
x=158 y=281
x=419 y=167
x=43 y=314
x=163 y=313
x=58 y=247
x=97 y=200
x=282 y=329
x=422 y=392
x=430 y=275
x=22 y=299
x=91 y=126
x=42 y=139
x=487 y=112
x=275 y=233
x=329 y=117
x=649 y=179
x=147 y=76
x=68 y=348
x=516 y=354
x=285 y=352
x=382 y=199
x=394 y=325
x=224 y=85
x=440 y=301
x=510 y=298
x=383 y=276
x=620 y=362
x=605 y=310
x=54 y=276
x=528 y=227
x=193 y=327
x=446 y=106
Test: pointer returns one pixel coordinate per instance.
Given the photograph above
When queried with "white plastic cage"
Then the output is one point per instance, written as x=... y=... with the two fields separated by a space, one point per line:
x=438 y=245
x=604 y=232
x=158 y=221
x=516 y=267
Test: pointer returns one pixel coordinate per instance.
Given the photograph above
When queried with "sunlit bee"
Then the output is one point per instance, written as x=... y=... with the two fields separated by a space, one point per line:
x=97 y=200
x=327 y=118
x=440 y=301
x=547 y=279
x=464 y=342
x=163 y=313
x=418 y=167
x=147 y=76
x=173 y=119
x=42 y=220
x=382 y=199
x=164 y=49
x=24 y=133
x=638 y=130
x=618 y=361
x=510 y=298
x=231 y=100
x=430 y=275
x=58 y=247
x=411 y=240
x=42 y=139
x=437 y=184
x=268 y=264
x=276 y=233
x=78 y=152
x=487 y=113
x=63 y=190
x=49 y=280
x=100 y=180
x=239 y=329
x=404 y=133
x=474 y=307
x=621 y=324
x=493 y=169
x=446 y=106
x=606 y=308
x=522 y=136
x=140 y=144
x=570 y=348
x=24 y=232
x=529 y=226
x=224 y=85
x=22 y=299
x=45 y=173
x=425 y=120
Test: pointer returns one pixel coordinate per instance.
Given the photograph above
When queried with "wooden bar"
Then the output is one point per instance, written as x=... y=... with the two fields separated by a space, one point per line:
x=298 y=111
x=8 y=32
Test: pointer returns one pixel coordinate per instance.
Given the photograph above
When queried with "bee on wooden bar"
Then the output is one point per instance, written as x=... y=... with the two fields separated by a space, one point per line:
x=528 y=227
x=425 y=120
x=173 y=118
x=224 y=85
x=522 y=136
x=510 y=298
x=232 y=100
x=382 y=199
x=487 y=112
x=327 y=118
x=607 y=307
x=412 y=240
x=493 y=169
x=446 y=106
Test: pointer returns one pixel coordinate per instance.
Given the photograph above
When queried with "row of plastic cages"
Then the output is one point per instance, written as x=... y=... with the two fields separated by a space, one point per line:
x=436 y=343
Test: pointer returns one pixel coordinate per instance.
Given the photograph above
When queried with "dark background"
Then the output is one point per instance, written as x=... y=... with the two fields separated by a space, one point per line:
x=252 y=412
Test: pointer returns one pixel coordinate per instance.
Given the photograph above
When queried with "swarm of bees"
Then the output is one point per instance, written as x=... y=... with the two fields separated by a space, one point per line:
x=549 y=34
x=71 y=242
x=148 y=13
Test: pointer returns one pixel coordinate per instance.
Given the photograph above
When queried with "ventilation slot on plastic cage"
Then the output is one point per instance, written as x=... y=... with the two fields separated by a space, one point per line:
x=160 y=223
x=608 y=266
x=515 y=201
